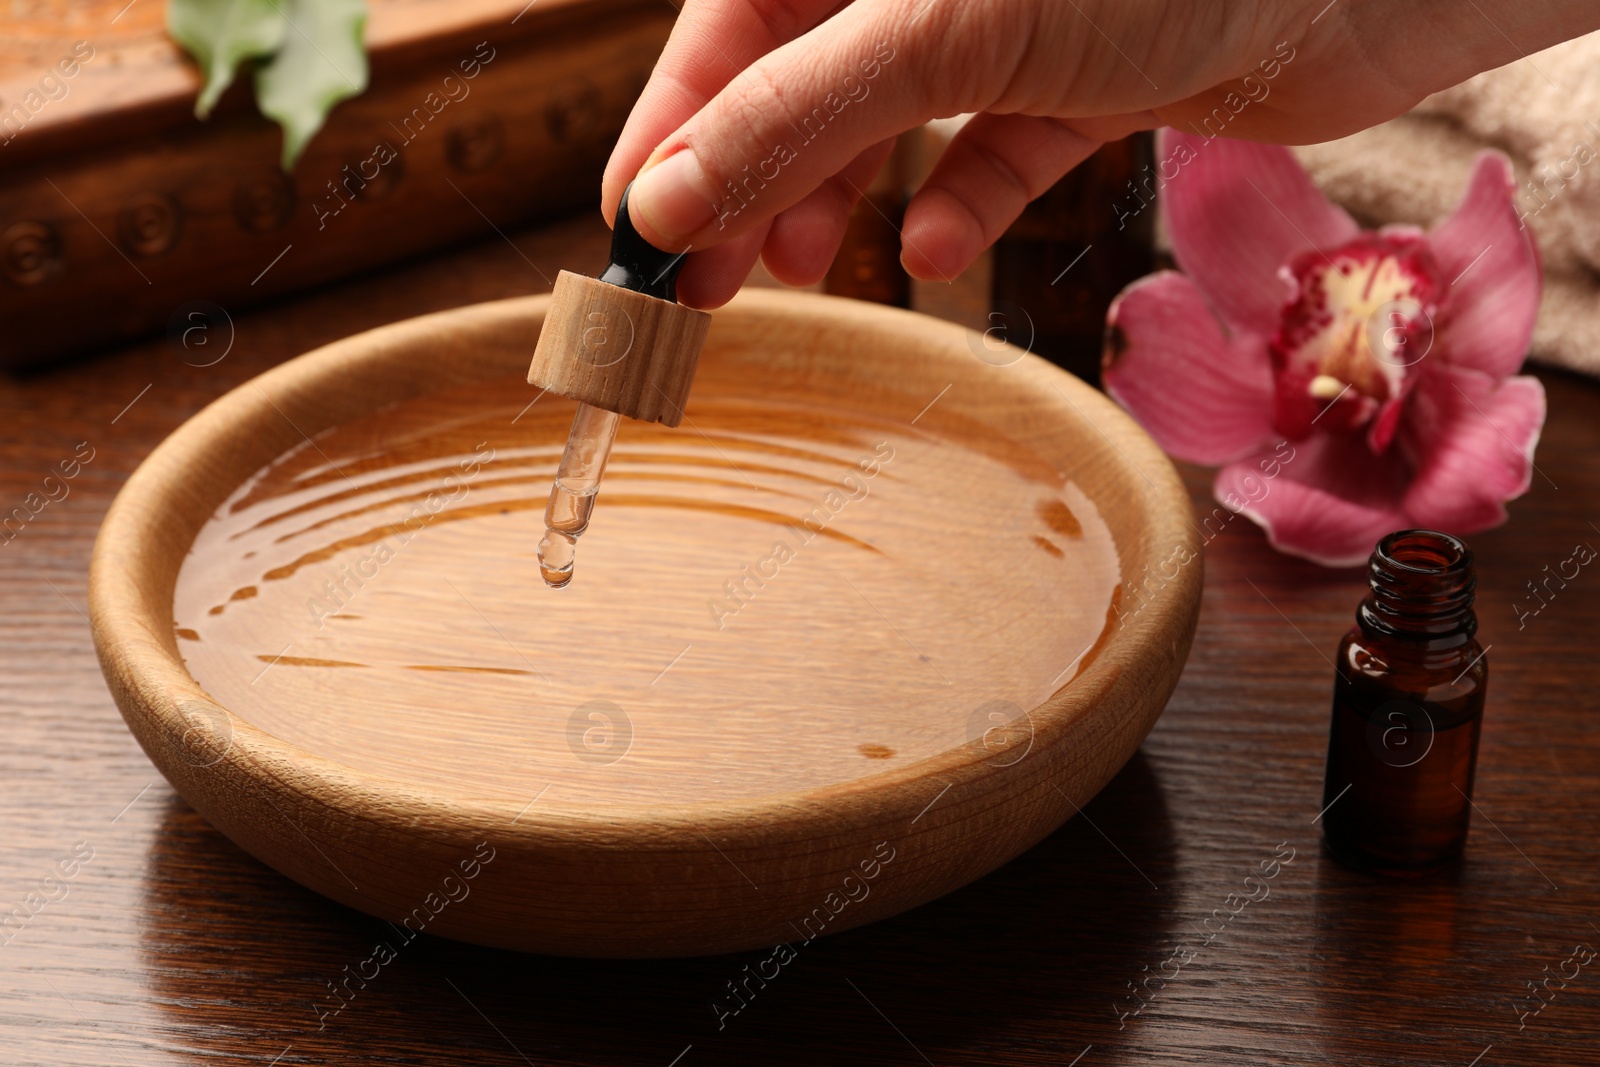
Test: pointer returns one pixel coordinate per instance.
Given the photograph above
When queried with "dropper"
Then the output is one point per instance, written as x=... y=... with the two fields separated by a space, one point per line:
x=631 y=353
x=583 y=463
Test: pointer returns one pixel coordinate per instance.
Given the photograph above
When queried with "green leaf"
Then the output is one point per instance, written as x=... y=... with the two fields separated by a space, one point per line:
x=321 y=61
x=221 y=34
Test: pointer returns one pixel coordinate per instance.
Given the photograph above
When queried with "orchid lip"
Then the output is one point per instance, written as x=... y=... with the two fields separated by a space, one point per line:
x=1359 y=318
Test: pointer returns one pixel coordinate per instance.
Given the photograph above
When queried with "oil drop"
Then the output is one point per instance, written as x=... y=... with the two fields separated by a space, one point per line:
x=572 y=497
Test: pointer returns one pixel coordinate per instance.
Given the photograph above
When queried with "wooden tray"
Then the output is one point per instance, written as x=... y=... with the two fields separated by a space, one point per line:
x=896 y=708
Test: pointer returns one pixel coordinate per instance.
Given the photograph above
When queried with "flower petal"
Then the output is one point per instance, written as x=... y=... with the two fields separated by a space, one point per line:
x=1491 y=263
x=1329 y=501
x=1204 y=397
x=1472 y=440
x=1236 y=212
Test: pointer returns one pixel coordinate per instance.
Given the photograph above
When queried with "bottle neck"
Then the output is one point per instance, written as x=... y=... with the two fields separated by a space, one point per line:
x=1421 y=587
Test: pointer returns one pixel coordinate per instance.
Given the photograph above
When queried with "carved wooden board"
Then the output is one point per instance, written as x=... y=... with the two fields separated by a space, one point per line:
x=479 y=116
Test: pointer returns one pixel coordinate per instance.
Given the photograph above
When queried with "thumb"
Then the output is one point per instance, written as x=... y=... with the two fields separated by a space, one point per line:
x=782 y=127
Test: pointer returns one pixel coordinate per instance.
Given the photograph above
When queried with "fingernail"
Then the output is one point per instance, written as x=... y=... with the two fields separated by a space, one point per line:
x=674 y=198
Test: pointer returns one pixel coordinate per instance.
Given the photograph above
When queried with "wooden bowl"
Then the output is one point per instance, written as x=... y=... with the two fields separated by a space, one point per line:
x=890 y=713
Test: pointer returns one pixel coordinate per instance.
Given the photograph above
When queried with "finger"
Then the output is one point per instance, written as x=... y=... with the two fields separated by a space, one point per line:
x=711 y=42
x=711 y=278
x=800 y=114
x=992 y=169
x=805 y=239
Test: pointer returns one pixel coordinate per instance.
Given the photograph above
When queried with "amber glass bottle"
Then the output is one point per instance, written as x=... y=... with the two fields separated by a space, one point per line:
x=1407 y=707
x=1074 y=248
x=867 y=266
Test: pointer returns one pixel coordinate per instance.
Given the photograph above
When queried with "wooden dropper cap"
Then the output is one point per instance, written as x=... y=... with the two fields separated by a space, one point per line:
x=622 y=342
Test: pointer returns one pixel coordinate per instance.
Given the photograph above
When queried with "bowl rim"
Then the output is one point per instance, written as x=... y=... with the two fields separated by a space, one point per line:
x=149 y=679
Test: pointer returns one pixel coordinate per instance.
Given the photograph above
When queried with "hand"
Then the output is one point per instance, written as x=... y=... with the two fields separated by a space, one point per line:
x=766 y=119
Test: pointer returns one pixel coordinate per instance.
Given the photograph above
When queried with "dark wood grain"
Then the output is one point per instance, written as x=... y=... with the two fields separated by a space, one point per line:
x=173 y=947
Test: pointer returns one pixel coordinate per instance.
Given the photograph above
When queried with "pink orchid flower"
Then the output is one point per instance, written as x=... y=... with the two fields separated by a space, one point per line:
x=1348 y=383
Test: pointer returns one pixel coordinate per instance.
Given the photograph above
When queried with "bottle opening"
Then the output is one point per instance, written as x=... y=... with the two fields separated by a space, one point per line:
x=1422 y=584
x=1424 y=552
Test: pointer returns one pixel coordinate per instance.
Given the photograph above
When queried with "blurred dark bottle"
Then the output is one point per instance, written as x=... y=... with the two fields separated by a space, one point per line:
x=1407 y=709
x=1054 y=272
x=868 y=264
x=1073 y=250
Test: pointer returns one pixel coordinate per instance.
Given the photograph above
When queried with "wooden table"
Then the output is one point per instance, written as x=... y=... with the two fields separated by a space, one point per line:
x=171 y=946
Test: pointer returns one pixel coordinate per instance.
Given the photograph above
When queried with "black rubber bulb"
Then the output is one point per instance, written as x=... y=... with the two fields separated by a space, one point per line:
x=639 y=265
